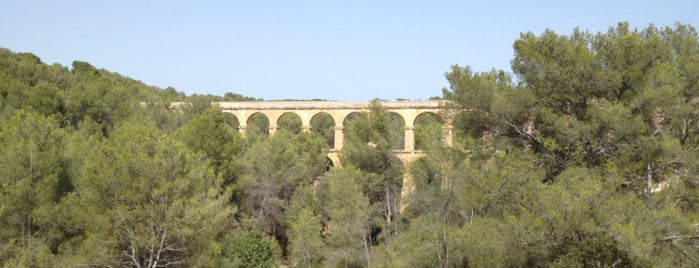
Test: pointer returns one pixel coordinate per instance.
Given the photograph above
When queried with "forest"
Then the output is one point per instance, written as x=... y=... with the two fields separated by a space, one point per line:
x=585 y=154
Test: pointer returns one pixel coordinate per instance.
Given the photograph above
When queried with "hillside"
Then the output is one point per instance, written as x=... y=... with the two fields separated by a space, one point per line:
x=82 y=91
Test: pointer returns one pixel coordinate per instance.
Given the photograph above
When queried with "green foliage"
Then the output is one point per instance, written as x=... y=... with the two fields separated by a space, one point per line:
x=272 y=170
x=369 y=144
x=324 y=124
x=257 y=128
x=163 y=202
x=208 y=133
x=306 y=244
x=428 y=131
x=348 y=225
x=230 y=96
x=603 y=121
x=32 y=180
x=475 y=90
x=559 y=70
x=290 y=122
x=160 y=115
x=250 y=249
x=473 y=124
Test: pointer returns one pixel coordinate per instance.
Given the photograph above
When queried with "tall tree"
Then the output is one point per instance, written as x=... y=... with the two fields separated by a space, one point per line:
x=164 y=204
x=368 y=146
x=32 y=181
x=272 y=169
x=348 y=234
x=306 y=246
x=595 y=114
x=208 y=132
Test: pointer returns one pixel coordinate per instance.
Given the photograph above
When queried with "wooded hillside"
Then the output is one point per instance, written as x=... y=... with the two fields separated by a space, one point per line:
x=586 y=154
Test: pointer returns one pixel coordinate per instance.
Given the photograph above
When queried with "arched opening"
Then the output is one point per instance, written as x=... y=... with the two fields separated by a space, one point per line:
x=257 y=127
x=324 y=125
x=391 y=127
x=395 y=126
x=429 y=131
x=352 y=121
x=470 y=124
x=231 y=120
x=350 y=118
x=290 y=122
x=329 y=164
x=425 y=174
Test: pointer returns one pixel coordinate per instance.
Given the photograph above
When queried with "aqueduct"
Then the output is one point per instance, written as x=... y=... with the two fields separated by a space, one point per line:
x=408 y=111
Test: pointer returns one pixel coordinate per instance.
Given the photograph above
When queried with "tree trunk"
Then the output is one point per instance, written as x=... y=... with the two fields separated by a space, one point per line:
x=649 y=180
x=366 y=250
x=389 y=212
x=685 y=130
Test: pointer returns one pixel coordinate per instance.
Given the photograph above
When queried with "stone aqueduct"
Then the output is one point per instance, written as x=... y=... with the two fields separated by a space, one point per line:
x=339 y=111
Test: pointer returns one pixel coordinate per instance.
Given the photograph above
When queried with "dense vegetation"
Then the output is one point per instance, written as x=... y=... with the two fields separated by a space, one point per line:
x=587 y=157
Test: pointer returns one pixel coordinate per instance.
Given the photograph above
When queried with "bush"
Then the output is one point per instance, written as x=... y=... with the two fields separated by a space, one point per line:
x=251 y=249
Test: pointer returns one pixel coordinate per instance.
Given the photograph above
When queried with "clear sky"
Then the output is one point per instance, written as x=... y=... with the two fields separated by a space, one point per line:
x=335 y=50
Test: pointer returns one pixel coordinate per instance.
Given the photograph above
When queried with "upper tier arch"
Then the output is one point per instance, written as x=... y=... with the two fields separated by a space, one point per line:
x=338 y=110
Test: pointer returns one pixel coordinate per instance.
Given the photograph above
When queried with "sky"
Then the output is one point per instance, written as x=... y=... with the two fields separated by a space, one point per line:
x=333 y=50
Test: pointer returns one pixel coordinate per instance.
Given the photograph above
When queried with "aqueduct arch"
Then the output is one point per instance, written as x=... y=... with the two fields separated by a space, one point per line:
x=409 y=111
x=338 y=110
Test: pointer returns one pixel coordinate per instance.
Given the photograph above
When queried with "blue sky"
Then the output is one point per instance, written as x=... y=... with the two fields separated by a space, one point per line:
x=335 y=50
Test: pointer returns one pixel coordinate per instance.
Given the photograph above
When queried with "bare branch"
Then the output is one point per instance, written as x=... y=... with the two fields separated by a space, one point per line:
x=535 y=143
x=678 y=237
